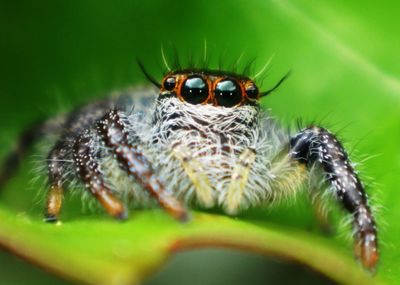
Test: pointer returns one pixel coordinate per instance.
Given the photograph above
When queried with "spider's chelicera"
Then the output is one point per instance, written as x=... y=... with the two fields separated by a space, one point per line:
x=203 y=139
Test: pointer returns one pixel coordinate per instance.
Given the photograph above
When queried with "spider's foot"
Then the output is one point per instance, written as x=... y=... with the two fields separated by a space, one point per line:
x=54 y=202
x=50 y=218
x=180 y=214
x=122 y=216
x=366 y=251
x=205 y=197
x=184 y=217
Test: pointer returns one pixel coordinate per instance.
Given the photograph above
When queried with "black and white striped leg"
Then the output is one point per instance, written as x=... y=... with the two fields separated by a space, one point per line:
x=56 y=171
x=112 y=131
x=88 y=168
x=318 y=145
x=15 y=157
x=68 y=128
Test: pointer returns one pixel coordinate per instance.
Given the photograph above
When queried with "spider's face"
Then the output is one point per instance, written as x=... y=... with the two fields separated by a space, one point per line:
x=210 y=87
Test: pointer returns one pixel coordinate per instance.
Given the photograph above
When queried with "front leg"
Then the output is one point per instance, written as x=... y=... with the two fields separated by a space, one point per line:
x=113 y=132
x=317 y=145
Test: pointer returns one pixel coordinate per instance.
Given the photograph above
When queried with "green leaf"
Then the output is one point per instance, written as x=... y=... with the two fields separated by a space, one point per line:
x=345 y=75
x=101 y=251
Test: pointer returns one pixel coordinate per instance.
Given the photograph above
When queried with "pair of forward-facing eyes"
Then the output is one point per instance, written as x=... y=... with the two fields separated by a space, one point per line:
x=217 y=90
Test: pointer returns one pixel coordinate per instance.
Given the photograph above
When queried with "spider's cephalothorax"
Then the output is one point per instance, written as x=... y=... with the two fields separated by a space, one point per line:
x=203 y=139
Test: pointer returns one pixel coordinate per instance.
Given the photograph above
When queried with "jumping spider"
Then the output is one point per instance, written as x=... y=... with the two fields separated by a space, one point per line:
x=204 y=141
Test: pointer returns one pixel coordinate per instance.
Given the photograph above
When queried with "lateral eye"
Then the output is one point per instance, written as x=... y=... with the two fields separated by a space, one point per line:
x=228 y=93
x=169 y=83
x=251 y=91
x=194 y=90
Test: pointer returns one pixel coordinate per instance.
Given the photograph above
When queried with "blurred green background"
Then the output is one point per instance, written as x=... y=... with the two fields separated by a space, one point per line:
x=345 y=61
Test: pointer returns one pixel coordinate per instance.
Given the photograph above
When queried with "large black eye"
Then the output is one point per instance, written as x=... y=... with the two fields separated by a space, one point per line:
x=194 y=90
x=228 y=93
x=169 y=83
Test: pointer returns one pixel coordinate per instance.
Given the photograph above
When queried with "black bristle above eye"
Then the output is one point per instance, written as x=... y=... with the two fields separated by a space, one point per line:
x=147 y=75
x=265 y=93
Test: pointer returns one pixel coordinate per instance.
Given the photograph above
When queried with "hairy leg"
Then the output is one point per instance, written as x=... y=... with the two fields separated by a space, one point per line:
x=285 y=177
x=56 y=172
x=24 y=143
x=60 y=156
x=317 y=145
x=239 y=179
x=88 y=169
x=112 y=131
x=197 y=174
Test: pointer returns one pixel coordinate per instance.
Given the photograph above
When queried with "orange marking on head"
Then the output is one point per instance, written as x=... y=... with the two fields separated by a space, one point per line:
x=211 y=78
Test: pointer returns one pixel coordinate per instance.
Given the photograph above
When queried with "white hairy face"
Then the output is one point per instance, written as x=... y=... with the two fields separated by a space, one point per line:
x=213 y=138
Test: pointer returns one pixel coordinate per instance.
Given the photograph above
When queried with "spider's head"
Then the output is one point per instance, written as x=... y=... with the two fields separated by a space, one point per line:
x=214 y=87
